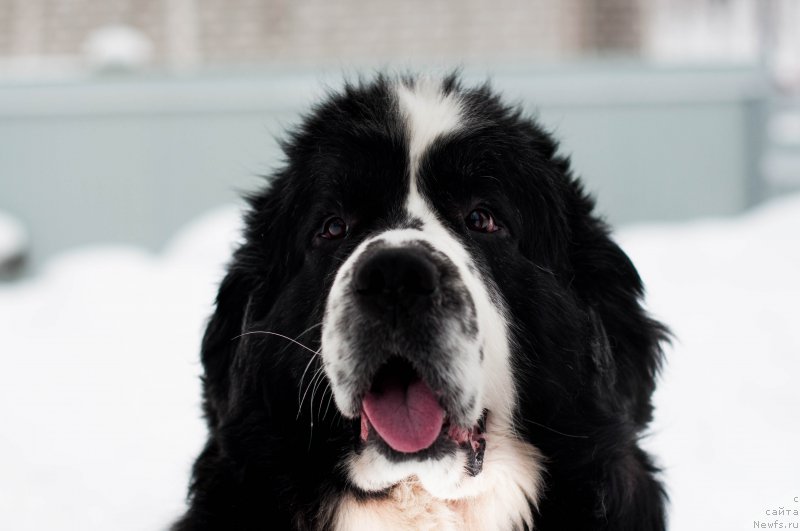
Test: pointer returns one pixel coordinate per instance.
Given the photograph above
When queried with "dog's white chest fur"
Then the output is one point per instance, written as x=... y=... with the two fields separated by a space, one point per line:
x=409 y=506
x=500 y=498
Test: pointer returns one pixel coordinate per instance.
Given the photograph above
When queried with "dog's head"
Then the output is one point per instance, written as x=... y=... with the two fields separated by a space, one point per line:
x=425 y=262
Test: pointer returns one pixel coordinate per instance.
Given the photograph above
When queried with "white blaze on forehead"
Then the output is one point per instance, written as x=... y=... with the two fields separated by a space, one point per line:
x=429 y=113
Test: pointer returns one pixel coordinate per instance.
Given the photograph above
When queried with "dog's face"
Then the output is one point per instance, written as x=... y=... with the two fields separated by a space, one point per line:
x=414 y=337
x=453 y=295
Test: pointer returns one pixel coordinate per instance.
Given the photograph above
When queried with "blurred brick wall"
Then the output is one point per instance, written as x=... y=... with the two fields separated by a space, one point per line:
x=324 y=31
x=612 y=25
x=48 y=28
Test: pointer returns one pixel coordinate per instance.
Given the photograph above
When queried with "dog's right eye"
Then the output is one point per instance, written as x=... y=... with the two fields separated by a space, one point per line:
x=481 y=220
x=333 y=229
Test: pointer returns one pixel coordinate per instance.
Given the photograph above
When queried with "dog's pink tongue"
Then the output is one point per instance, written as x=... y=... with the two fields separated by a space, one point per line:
x=408 y=417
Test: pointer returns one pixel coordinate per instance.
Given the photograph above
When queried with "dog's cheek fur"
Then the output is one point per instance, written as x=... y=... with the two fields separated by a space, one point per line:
x=267 y=459
x=588 y=355
x=585 y=350
x=607 y=281
x=261 y=463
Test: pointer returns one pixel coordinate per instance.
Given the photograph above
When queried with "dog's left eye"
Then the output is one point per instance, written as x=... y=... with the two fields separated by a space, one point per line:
x=334 y=228
x=481 y=220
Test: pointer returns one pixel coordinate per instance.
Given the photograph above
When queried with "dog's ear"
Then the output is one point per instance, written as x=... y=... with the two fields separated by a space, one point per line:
x=253 y=278
x=606 y=279
x=219 y=342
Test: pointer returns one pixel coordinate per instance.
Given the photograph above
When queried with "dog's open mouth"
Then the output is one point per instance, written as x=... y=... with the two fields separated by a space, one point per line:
x=402 y=408
x=405 y=413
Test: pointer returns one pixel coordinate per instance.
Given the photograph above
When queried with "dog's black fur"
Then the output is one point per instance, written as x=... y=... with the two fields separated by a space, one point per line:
x=585 y=353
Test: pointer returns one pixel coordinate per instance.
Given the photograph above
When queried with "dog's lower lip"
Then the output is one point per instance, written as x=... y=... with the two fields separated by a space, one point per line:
x=471 y=439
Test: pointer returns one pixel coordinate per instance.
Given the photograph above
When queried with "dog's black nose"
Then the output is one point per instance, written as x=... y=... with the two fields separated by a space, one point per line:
x=395 y=278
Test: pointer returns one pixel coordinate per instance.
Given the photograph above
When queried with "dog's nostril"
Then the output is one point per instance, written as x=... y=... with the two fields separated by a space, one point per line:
x=396 y=276
x=373 y=282
x=417 y=282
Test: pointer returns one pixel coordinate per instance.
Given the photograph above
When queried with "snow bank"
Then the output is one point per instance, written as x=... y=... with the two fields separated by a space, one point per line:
x=727 y=430
x=99 y=389
x=99 y=395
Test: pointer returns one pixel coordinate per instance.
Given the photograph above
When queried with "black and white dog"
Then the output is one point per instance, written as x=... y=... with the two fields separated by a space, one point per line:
x=426 y=327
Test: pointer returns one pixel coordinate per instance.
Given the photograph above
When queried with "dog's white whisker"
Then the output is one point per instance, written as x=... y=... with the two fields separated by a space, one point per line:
x=320 y=378
x=266 y=332
x=296 y=342
x=529 y=421
x=314 y=377
x=329 y=390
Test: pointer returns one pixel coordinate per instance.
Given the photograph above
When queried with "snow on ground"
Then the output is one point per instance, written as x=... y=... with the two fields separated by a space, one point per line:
x=99 y=414
x=99 y=395
x=727 y=427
